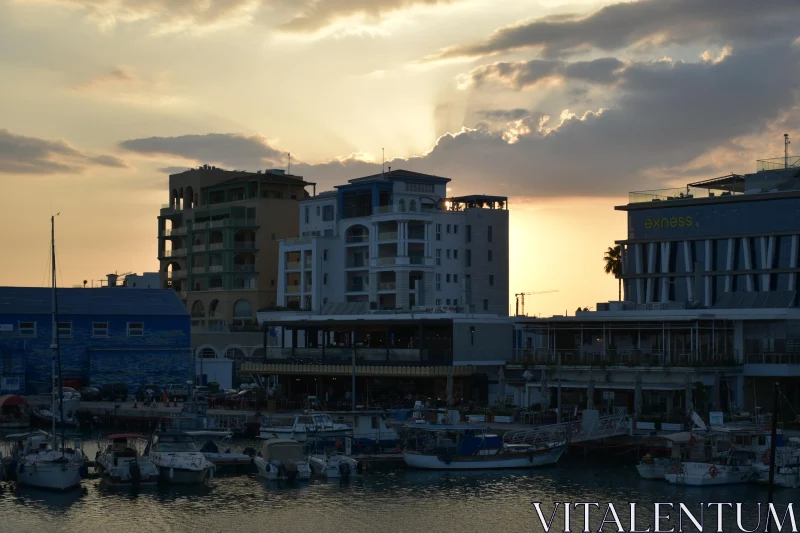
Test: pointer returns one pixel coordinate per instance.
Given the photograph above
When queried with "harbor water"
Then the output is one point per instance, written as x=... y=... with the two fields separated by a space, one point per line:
x=381 y=501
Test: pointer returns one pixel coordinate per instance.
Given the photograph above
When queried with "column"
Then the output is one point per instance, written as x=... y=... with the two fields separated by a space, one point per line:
x=767 y=253
x=302 y=279
x=729 y=266
x=401 y=289
x=793 y=264
x=651 y=269
x=687 y=263
x=748 y=263
x=665 y=251
x=430 y=292
x=709 y=260
x=640 y=296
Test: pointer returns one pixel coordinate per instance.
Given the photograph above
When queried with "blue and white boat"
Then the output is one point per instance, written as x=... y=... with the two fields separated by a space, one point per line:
x=471 y=447
x=370 y=429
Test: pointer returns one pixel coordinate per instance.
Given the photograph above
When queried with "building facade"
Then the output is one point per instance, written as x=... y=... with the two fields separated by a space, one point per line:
x=218 y=241
x=107 y=335
x=396 y=241
x=729 y=241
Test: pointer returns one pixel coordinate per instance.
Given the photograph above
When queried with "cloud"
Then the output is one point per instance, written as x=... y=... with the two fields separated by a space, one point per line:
x=172 y=170
x=31 y=155
x=504 y=114
x=626 y=24
x=228 y=149
x=116 y=75
x=520 y=75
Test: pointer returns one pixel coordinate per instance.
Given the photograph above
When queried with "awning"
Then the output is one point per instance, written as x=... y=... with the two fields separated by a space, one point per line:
x=613 y=385
x=361 y=370
x=9 y=400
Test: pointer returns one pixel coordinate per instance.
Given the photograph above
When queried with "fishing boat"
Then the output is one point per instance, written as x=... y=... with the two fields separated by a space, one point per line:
x=471 y=447
x=179 y=459
x=217 y=449
x=282 y=460
x=121 y=464
x=306 y=427
x=56 y=467
x=15 y=412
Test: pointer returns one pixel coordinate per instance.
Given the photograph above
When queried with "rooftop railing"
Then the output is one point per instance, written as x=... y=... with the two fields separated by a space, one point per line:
x=778 y=163
x=676 y=194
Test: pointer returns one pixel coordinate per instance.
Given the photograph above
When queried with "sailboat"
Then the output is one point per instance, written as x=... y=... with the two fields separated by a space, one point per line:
x=57 y=468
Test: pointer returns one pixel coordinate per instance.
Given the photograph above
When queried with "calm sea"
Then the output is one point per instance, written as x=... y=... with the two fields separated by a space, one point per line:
x=381 y=502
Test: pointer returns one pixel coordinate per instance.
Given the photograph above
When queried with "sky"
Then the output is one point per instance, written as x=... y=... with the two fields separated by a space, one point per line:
x=564 y=106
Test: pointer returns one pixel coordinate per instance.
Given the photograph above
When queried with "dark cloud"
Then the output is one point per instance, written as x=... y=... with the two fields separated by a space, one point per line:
x=228 y=149
x=504 y=114
x=625 y=24
x=173 y=170
x=519 y=75
x=31 y=155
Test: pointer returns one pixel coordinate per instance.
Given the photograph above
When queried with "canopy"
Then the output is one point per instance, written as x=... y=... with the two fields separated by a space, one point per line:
x=21 y=436
x=682 y=437
x=117 y=436
x=9 y=400
x=207 y=433
x=445 y=427
x=282 y=450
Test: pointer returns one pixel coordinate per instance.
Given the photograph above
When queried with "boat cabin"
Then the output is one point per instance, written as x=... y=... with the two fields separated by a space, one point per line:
x=283 y=450
x=455 y=439
x=121 y=447
x=173 y=442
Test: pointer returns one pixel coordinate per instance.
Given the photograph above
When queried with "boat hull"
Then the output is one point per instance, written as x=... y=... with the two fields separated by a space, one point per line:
x=121 y=475
x=329 y=469
x=651 y=471
x=701 y=475
x=183 y=476
x=52 y=476
x=271 y=472
x=485 y=462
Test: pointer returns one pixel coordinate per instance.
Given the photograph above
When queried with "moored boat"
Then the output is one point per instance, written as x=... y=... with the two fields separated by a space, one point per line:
x=653 y=467
x=305 y=427
x=471 y=447
x=35 y=464
x=179 y=459
x=218 y=450
x=282 y=459
x=334 y=465
x=121 y=464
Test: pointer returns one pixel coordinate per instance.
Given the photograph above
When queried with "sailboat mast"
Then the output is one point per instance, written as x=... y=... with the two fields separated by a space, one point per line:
x=57 y=354
x=54 y=344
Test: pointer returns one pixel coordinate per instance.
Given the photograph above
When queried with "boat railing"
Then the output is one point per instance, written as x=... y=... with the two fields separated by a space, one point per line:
x=571 y=432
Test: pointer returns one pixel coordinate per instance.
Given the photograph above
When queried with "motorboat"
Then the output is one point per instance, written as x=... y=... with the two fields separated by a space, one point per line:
x=472 y=447
x=15 y=413
x=35 y=462
x=179 y=459
x=371 y=430
x=282 y=459
x=49 y=416
x=787 y=461
x=653 y=467
x=306 y=427
x=217 y=449
x=194 y=416
x=121 y=464
x=334 y=465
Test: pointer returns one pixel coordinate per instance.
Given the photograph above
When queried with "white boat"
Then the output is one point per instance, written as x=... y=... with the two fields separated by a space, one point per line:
x=305 y=427
x=370 y=429
x=653 y=468
x=470 y=447
x=179 y=459
x=218 y=450
x=334 y=465
x=50 y=415
x=121 y=464
x=282 y=459
x=40 y=466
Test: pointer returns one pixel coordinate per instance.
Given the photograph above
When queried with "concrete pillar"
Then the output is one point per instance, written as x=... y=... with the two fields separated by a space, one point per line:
x=302 y=279
x=401 y=289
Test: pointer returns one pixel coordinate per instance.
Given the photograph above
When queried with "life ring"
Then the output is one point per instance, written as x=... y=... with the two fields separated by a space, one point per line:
x=676 y=468
x=692 y=441
x=765 y=458
x=713 y=471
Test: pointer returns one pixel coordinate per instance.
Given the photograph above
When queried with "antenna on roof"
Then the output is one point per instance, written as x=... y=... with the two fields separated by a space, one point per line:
x=383 y=162
x=289 y=169
x=786 y=150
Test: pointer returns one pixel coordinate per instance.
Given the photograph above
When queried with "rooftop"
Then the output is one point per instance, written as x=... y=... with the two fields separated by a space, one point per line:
x=399 y=175
x=779 y=175
x=108 y=301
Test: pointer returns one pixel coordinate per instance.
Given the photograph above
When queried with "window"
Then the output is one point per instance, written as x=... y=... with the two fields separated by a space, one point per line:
x=135 y=329
x=324 y=301
x=455 y=254
x=99 y=329
x=27 y=329
x=490 y=234
x=318 y=208
x=308 y=214
x=325 y=279
x=448 y=228
x=469 y=233
x=447 y=301
x=455 y=278
x=486 y=305
x=327 y=213
x=489 y=255
x=272 y=282
x=419 y=187
x=272 y=236
x=438 y=232
x=438 y=282
x=438 y=302
x=65 y=329
x=455 y=301
x=448 y=253
x=439 y=256
x=412 y=205
x=455 y=229
x=402 y=204
x=448 y=278
x=469 y=258
x=491 y=280
x=324 y=255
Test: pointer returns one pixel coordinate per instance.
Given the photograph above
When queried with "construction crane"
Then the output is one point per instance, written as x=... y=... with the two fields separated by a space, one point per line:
x=521 y=300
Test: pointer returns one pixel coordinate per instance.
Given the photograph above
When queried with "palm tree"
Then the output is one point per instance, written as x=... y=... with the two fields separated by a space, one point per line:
x=613 y=259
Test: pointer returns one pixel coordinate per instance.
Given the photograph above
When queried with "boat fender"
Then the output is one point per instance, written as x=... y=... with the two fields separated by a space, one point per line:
x=211 y=473
x=713 y=471
x=171 y=473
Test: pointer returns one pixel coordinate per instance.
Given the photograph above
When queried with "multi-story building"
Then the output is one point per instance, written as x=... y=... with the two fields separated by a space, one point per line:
x=730 y=241
x=218 y=241
x=397 y=241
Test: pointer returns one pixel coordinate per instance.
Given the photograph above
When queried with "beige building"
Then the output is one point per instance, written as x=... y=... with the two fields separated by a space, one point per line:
x=218 y=242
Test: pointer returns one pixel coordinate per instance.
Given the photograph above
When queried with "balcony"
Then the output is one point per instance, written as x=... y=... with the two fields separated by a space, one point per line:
x=358 y=287
x=199 y=270
x=213 y=269
x=244 y=268
x=293 y=289
x=198 y=248
x=216 y=246
x=387 y=236
x=625 y=358
x=354 y=263
x=183 y=294
x=297 y=240
x=174 y=231
x=357 y=239
x=180 y=252
x=200 y=226
x=387 y=286
x=309 y=288
x=244 y=245
x=418 y=260
x=772 y=358
x=293 y=265
x=383 y=209
x=385 y=261
x=416 y=234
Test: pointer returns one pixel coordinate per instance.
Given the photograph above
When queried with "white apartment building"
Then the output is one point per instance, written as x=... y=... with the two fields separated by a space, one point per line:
x=397 y=241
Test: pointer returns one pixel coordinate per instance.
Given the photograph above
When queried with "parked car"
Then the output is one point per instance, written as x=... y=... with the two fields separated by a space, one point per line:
x=141 y=392
x=90 y=394
x=201 y=393
x=113 y=392
x=69 y=393
x=177 y=391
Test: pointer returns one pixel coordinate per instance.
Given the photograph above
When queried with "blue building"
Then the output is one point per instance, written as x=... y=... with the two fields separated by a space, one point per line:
x=107 y=335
